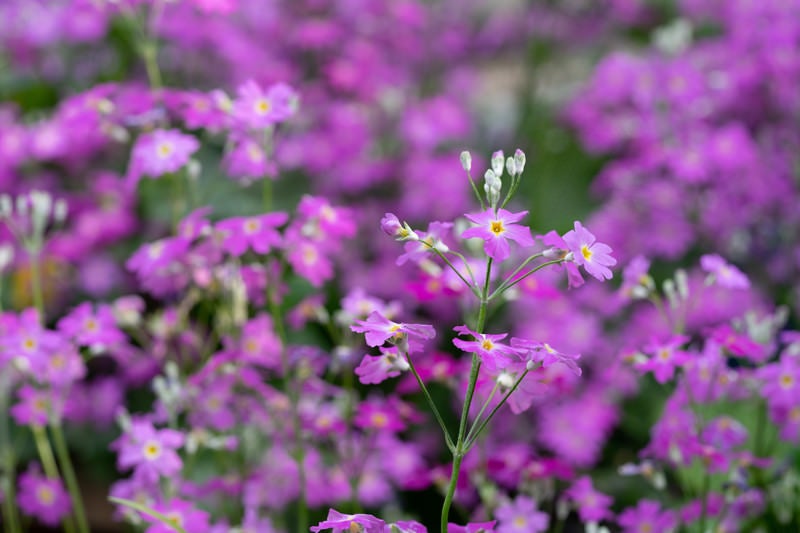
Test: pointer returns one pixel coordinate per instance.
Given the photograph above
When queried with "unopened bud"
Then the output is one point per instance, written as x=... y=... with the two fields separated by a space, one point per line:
x=511 y=166
x=60 y=211
x=492 y=186
x=466 y=161
x=498 y=159
x=519 y=160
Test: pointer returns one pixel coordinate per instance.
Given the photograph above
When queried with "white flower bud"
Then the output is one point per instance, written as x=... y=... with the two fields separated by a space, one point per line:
x=466 y=161
x=511 y=166
x=505 y=380
x=6 y=256
x=498 y=159
x=519 y=160
x=682 y=283
x=60 y=211
x=6 y=209
x=492 y=186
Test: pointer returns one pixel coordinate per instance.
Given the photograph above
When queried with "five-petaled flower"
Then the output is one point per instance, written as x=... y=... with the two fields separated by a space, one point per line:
x=496 y=228
x=595 y=257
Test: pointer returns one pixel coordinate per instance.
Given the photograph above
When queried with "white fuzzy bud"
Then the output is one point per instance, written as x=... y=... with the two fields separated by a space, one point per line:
x=498 y=159
x=60 y=211
x=492 y=186
x=519 y=160
x=466 y=161
x=511 y=166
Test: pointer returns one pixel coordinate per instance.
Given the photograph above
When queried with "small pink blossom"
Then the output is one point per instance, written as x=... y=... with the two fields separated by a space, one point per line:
x=496 y=229
x=595 y=257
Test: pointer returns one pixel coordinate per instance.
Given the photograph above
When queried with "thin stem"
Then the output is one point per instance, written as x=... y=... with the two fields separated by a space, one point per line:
x=512 y=189
x=475 y=190
x=460 y=450
x=49 y=463
x=483 y=408
x=36 y=284
x=516 y=271
x=10 y=515
x=505 y=286
x=470 y=286
x=69 y=477
x=476 y=432
x=466 y=265
x=291 y=392
x=432 y=404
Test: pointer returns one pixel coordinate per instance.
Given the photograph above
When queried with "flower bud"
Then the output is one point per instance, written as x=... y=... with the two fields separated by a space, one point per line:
x=498 y=159
x=491 y=187
x=511 y=166
x=519 y=160
x=466 y=161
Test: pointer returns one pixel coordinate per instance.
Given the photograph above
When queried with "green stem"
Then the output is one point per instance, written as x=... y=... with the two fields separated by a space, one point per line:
x=475 y=190
x=10 y=515
x=432 y=404
x=508 y=284
x=49 y=463
x=36 y=285
x=291 y=392
x=469 y=285
x=483 y=407
x=267 y=192
x=460 y=450
x=476 y=430
x=149 y=51
x=69 y=477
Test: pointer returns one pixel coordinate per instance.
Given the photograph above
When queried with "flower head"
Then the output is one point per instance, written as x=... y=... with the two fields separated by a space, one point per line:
x=595 y=257
x=42 y=497
x=378 y=329
x=723 y=273
x=496 y=229
x=350 y=523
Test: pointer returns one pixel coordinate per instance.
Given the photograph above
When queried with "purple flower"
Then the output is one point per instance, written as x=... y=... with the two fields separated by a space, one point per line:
x=595 y=257
x=647 y=516
x=258 y=232
x=723 y=272
x=495 y=355
x=181 y=513
x=473 y=527
x=160 y=152
x=593 y=506
x=378 y=329
x=44 y=498
x=496 y=229
x=340 y=523
x=541 y=352
x=151 y=452
x=521 y=516
x=374 y=370
x=256 y=108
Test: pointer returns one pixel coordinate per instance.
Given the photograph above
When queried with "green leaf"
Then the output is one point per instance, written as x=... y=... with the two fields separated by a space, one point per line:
x=136 y=506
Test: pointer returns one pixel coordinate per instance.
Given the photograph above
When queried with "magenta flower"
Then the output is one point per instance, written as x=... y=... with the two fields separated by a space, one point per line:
x=95 y=329
x=495 y=355
x=160 y=152
x=378 y=416
x=181 y=513
x=559 y=249
x=496 y=229
x=308 y=259
x=723 y=273
x=542 y=352
x=258 y=108
x=378 y=329
x=521 y=516
x=152 y=453
x=342 y=523
x=593 y=506
x=35 y=406
x=376 y=369
x=407 y=526
x=473 y=527
x=44 y=498
x=647 y=516
x=595 y=257
x=258 y=233
x=665 y=358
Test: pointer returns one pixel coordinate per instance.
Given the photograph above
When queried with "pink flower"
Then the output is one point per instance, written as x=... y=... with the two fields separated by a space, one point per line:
x=473 y=527
x=374 y=370
x=725 y=274
x=493 y=354
x=666 y=357
x=256 y=108
x=379 y=416
x=378 y=329
x=42 y=497
x=180 y=513
x=258 y=232
x=160 y=152
x=593 y=506
x=541 y=352
x=151 y=452
x=595 y=257
x=521 y=516
x=496 y=229
x=339 y=523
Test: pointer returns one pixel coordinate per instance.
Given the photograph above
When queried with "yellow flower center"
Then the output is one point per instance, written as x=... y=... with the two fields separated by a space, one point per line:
x=174 y=519
x=251 y=226
x=310 y=255
x=379 y=420
x=645 y=527
x=152 y=450
x=90 y=325
x=45 y=495
x=355 y=527
x=520 y=521
x=663 y=355
x=586 y=252
x=487 y=345
x=262 y=106
x=497 y=227
x=58 y=361
x=164 y=150
x=786 y=381
x=29 y=344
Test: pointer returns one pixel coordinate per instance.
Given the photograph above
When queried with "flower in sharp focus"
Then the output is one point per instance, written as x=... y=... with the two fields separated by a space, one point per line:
x=496 y=229
x=595 y=257
x=494 y=354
